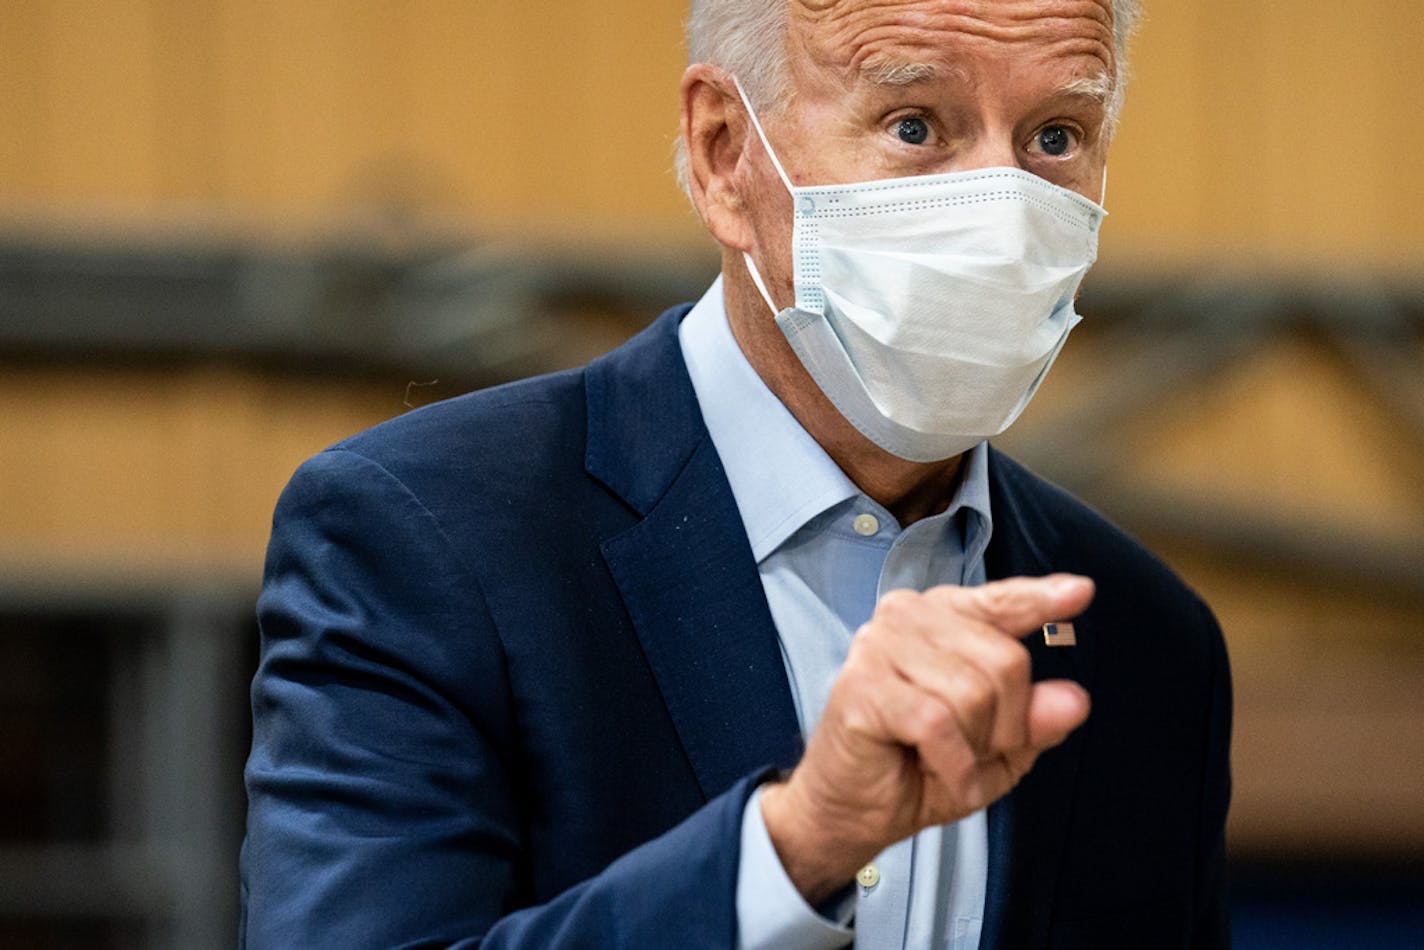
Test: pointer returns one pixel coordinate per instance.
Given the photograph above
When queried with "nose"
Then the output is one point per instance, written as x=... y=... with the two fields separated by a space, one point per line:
x=990 y=149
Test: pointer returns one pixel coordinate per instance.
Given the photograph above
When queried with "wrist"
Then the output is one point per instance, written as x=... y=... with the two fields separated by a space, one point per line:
x=819 y=859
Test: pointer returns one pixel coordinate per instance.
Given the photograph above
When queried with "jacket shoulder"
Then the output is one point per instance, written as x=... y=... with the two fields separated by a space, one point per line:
x=472 y=427
x=529 y=431
x=1068 y=534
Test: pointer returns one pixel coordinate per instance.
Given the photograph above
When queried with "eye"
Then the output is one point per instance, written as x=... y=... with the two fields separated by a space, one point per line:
x=913 y=130
x=1053 y=140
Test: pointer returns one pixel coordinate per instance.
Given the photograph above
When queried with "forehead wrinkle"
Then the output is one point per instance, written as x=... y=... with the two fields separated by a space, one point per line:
x=839 y=15
x=899 y=55
x=840 y=33
x=1065 y=33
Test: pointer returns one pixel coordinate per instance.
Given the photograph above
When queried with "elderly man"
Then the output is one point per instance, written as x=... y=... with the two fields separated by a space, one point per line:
x=742 y=635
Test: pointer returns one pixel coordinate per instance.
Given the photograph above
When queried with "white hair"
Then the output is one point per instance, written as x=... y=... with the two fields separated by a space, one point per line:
x=747 y=37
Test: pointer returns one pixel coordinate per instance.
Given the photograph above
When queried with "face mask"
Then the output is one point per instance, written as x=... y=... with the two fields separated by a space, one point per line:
x=929 y=309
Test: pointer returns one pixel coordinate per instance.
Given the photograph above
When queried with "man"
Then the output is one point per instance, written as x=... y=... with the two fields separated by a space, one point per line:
x=538 y=662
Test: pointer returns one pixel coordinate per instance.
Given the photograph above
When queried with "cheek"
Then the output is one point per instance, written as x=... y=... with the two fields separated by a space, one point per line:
x=1084 y=176
x=768 y=208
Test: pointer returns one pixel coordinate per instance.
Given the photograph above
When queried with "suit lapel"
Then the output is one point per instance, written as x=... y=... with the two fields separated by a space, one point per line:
x=685 y=570
x=1028 y=828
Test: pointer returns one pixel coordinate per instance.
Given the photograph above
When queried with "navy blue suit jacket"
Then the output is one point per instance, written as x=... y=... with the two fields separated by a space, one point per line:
x=518 y=678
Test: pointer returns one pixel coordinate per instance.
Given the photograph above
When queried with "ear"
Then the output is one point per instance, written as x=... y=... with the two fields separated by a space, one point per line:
x=714 y=133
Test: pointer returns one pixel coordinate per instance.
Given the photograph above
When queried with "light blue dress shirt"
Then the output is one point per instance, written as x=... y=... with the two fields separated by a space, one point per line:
x=826 y=553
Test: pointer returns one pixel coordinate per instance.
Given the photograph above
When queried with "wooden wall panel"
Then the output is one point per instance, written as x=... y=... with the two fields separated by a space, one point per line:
x=158 y=471
x=1276 y=134
x=1269 y=134
x=21 y=105
x=293 y=106
x=97 y=85
x=188 y=106
x=1290 y=431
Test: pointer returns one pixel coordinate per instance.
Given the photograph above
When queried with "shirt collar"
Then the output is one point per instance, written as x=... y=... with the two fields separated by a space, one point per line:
x=973 y=496
x=781 y=478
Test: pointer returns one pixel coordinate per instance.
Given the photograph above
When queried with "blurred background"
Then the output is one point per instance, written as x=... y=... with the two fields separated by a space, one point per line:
x=235 y=231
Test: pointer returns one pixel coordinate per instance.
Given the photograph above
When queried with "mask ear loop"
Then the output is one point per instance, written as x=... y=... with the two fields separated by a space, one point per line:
x=776 y=163
x=760 y=284
x=761 y=134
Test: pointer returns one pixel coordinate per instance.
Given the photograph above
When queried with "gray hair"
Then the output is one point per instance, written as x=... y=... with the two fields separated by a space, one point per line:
x=745 y=38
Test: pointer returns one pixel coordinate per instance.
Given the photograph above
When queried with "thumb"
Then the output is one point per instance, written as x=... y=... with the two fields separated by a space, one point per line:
x=1055 y=709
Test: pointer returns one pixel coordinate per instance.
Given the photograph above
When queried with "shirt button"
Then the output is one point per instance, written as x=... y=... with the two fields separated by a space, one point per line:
x=865 y=525
x=868 y=876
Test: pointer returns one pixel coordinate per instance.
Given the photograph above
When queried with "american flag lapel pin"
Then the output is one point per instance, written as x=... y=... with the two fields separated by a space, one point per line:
x=1059 y=635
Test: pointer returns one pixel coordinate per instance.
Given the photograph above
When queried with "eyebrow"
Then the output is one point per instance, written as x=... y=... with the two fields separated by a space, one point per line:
x=885 y=72
x=1098 y=88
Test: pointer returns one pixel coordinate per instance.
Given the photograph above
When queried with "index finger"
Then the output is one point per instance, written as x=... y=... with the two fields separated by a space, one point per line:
x=1020 y=605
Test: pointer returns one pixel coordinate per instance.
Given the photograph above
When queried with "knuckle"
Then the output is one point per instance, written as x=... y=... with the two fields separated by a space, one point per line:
x=867 y=653
x=998 y=598
x=960 y=772
x=945 y=595
x=858 y=720
x=1010 y=663
x=978 y=703
x=978 y=684
x=855 y=673
x=867 y=647
x=933 y=720
x=975 y=697
x=897 y=604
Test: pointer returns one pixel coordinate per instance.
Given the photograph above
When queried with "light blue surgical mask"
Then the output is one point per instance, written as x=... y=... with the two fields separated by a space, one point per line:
x=929 y=309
